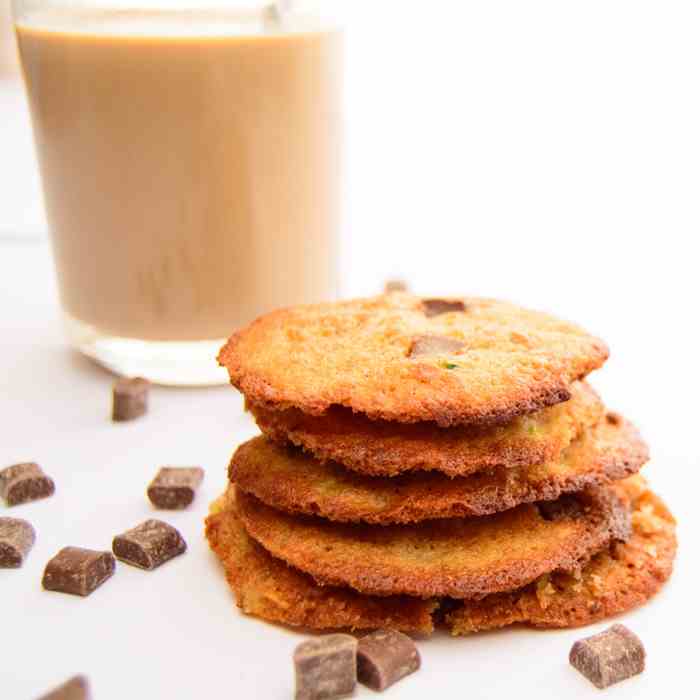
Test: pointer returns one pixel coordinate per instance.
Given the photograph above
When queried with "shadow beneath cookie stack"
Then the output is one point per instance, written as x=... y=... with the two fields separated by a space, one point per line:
x=433 y=462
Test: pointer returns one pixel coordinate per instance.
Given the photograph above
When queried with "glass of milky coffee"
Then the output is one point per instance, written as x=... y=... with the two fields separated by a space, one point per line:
x=189 y=152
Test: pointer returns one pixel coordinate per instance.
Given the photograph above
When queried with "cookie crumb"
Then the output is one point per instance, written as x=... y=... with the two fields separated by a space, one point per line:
x=544 y=590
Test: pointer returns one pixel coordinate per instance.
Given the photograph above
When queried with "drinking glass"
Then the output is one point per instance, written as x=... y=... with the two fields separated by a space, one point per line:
x=190 y=161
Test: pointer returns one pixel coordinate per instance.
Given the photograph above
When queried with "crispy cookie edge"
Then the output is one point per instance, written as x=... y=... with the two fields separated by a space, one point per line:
x=601 y=517
x=615 y=581
x=378 y=448
x=452 y=408
x=269 y=589
x=613 y=452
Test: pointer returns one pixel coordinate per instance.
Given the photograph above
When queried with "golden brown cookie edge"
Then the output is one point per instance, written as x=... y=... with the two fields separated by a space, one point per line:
x=381 y=448
x=269 y=589
x=422 y=496
x=445 y=411
x=636 y=571
x=323 y=551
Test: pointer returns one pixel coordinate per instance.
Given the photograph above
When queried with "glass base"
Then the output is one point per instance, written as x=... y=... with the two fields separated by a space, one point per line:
x=170 y=363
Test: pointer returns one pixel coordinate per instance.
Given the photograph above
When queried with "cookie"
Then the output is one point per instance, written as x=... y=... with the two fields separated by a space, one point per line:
x=613 y=582
x=382 y=448
x=398 y=357
x=289 y=480
x=460 y=558
x=268 y=588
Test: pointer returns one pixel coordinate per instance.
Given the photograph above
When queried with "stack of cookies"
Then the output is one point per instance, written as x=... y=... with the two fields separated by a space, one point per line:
x=433 y=462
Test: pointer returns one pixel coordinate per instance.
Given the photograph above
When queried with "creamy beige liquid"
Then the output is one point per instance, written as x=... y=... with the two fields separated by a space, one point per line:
x=191 y=173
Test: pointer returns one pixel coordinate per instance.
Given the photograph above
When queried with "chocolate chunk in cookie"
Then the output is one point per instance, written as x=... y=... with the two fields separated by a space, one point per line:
x=356 y=354
x=437 y=307
x=565 y=507
x=434 y=345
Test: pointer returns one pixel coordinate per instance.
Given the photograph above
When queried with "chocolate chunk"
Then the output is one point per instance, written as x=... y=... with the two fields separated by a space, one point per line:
x=608 y=657
x=25 y=482
x=326 y=667
x=78 y=571
x=129 y=398
x=149 y=545
x=395 y=286
x=175 y=487
x=435 y=307
x=385 y=657
x=16 y=539
x=565 y=507
x=613 y=418
x=77 y=688
x=434 y=345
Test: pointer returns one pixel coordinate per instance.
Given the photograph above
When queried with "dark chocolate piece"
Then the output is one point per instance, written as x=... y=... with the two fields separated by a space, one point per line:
x=435 y=307
x=434 y=345
x=608 y=657
x=566 y=507
x=149 y=545
x=326 y=667
x=385 y=657
x=77 y=688
x=25 y=482
x=613 y=418
x=129 y=398
x=395 y=286
x=78 y=571
x=175 y=487
x=16 y=539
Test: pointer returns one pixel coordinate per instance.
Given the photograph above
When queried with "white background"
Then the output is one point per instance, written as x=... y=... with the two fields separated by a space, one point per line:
x=546 y=152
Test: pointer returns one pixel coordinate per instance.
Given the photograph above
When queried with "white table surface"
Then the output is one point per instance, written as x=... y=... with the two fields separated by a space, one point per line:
x=175 y=632
x=544 y=152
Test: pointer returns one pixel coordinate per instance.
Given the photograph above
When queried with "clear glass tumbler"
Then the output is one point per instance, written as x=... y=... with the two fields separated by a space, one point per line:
x=189 y=154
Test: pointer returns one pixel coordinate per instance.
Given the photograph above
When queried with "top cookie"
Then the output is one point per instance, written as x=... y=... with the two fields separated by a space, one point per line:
x=403 y=358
